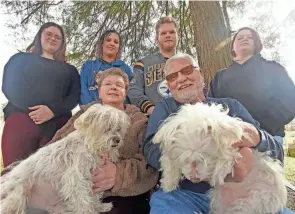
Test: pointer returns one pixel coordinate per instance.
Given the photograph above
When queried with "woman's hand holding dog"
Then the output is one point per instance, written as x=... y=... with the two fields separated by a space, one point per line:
x=40 y=114
x=104 y=178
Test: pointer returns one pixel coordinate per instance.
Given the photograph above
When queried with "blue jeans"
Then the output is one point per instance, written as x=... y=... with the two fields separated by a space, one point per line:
x=184 y=202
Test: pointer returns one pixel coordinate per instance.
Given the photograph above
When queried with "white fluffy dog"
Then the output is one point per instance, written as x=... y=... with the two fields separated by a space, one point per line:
x=67 y=164
x=205 y=134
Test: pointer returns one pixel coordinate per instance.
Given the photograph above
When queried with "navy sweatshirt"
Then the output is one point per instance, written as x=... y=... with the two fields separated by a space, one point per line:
x=31 y=80
x=169 y=105
x=263 y=87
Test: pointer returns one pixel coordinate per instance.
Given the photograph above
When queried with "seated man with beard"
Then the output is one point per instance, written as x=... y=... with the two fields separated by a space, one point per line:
x=185 y=82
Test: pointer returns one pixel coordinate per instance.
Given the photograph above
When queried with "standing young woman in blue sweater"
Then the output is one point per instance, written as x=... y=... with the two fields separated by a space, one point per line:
x=108 y=54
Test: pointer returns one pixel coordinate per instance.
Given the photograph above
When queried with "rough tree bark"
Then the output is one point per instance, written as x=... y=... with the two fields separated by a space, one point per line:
x=212 y=37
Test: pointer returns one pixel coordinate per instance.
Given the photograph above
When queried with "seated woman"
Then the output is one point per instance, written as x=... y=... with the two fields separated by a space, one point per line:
x=41 y=90
x=263 y=87
x=127 y=182
x=108 y=53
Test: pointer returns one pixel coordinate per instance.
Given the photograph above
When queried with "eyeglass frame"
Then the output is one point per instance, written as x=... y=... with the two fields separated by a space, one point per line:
x=182 y=71
x=50 y=35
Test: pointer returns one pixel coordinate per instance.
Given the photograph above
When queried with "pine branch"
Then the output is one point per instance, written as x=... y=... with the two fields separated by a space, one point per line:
x=225 y=14
x=26 y=19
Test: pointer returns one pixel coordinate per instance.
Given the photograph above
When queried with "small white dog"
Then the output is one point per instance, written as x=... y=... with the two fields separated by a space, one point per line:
x=204 y=135
x=67 y=164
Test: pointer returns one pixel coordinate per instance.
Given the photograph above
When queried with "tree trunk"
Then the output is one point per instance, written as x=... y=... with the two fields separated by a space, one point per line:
x=212 y=37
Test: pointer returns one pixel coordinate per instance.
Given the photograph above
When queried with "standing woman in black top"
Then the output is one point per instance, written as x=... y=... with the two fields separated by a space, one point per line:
x=41 y=89
x=262 y=86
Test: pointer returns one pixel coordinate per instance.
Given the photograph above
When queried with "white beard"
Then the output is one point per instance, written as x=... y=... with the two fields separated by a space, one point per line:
x=186 y=96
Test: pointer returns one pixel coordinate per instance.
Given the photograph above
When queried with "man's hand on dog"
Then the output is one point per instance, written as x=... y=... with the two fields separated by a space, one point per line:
x=40 y=114
x=251 y=137
x=104 y=178
x=244 y=165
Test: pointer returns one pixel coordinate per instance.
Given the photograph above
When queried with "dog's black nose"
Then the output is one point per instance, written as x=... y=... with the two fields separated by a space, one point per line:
x=116 y=142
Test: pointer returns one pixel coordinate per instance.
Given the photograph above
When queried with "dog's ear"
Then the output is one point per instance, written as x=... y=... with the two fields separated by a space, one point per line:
x=87 y=117
x=171 y=174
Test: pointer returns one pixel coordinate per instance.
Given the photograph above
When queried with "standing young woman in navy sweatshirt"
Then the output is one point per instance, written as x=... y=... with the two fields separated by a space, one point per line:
x=262 y=86
x=108 y=54
x=41 y=89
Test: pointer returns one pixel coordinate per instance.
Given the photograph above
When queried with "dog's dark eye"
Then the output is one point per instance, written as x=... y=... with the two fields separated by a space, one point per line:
x=118 y=129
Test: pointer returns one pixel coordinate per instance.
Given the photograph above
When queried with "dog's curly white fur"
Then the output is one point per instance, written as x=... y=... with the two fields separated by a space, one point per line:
x=205 y=134
x=67 y=164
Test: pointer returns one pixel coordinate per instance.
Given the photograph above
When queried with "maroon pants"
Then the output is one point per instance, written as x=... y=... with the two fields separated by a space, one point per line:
x=22 y=137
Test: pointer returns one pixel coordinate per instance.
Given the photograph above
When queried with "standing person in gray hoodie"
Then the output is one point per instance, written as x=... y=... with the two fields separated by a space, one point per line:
x=148 y=86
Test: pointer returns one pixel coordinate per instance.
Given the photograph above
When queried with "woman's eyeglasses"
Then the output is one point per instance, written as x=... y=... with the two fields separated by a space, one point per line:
x=185 y=71
x=109 y=84
x=50 y=35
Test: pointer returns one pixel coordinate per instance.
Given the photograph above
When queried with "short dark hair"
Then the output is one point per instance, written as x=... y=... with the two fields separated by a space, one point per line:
x=100 y=41
x=257 y=41
x=36 y=47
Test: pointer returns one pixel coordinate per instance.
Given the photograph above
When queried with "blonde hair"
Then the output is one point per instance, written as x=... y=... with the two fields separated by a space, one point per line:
x=164 y=20
x=112 y=72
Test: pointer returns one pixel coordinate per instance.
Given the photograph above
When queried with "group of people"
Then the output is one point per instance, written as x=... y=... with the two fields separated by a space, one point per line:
x=42 y=89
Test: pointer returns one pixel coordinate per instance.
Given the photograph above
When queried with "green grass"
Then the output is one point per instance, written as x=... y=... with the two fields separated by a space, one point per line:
x=289 y=167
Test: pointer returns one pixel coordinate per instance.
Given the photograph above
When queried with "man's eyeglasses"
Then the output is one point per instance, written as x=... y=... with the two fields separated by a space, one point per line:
x=185 y=71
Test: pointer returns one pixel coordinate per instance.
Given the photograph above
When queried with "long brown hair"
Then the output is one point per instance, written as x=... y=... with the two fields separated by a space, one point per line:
x=256 y=38
x=99 y=51
x=36 y=47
